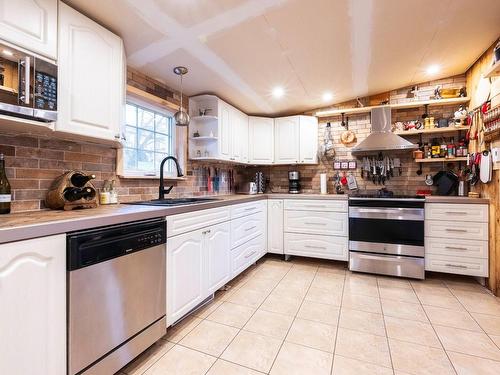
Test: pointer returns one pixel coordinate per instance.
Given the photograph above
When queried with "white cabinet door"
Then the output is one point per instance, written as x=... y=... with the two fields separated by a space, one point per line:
x=235 y=124
x=241 y=137
x=186 y=280
x=275 y=226
x=219 y=256
x=225 y=131
x=91 y=85
x=286 y=140
x=261 y=140
x=308 y=144
x=33 y=306
x=31 y=24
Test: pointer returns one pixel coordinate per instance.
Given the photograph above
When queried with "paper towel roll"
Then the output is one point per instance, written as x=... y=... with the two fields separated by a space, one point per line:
x=322 y=183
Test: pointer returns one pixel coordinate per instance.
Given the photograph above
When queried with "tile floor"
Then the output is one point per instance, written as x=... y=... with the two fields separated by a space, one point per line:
x=314 y=317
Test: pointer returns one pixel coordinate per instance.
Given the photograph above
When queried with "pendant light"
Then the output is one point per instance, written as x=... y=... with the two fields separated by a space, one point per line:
x=181 y=117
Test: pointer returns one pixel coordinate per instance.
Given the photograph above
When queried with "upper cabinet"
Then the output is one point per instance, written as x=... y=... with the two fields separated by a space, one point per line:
x=286 y=140
x=261 y=140
x=308 y=142
x=30 y=24
x=91 y=70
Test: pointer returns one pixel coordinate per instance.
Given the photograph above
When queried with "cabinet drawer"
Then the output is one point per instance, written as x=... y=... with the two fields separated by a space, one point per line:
x=190 y=221
x=245 y=228
x=457 y=265
x=243 y=256
x=245 y=209
x=316 y=205
x=457 y=212
x=315 y=222
x=316 y=246
x=453 y=247
x=456 y=230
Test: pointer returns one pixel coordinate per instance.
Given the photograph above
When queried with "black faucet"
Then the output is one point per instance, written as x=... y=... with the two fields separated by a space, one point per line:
x=162 y=190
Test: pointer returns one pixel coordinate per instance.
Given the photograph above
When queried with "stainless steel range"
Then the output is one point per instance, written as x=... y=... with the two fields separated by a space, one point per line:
x=386 y=235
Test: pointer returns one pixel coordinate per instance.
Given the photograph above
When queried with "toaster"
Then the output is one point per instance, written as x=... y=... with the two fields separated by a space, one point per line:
x=247 y=188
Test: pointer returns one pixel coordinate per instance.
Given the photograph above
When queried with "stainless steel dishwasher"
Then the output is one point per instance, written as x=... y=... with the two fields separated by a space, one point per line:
x=116 y=294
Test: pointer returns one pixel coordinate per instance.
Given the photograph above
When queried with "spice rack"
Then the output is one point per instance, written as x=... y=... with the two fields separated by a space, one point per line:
x=442 y=160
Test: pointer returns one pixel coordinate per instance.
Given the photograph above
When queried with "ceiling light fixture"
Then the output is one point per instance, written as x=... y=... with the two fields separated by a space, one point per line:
x=432 y=69
x=327 y=96
x=278 y=92
x=181 y=117
x=6 y=52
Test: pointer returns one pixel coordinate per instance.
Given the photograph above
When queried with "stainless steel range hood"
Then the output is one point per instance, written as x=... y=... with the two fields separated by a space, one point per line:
x=381 y=137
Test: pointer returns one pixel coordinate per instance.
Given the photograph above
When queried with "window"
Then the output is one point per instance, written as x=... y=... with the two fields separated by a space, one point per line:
x=149 y=134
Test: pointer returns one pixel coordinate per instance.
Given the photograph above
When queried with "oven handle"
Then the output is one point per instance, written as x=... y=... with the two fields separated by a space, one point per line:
x=400 y=213
x=26 y=63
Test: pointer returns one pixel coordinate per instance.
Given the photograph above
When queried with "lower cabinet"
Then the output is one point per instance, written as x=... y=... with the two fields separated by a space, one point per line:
x=275 y=226
x=33 y=306
x=219 y=256
x=316 y=246
x=245 y=255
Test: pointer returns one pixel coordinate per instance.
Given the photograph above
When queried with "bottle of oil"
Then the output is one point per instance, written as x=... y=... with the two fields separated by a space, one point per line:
x=5 y=195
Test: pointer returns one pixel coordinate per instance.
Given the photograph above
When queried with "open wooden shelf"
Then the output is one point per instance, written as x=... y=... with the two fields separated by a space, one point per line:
x=448 y=129
x=204 y=118
x=493 y=71
x=441 y=160
x=203 y=139
x=414 y=104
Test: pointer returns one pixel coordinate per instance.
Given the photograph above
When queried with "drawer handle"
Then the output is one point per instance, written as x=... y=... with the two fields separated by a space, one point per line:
x=456 y=266
x=255 y=226
x=455 y=248
x=456 y=213
x=250 y=208
x=206 y=232
x=314 y=206
x=315 y=223
x=249 y=255
x=456 y=230
x=315 y=247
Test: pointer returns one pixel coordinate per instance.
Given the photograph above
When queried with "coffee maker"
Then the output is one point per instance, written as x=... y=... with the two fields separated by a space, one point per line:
x=294 y=182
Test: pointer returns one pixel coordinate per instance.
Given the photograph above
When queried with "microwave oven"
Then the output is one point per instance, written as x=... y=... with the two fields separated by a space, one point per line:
x=28 y=85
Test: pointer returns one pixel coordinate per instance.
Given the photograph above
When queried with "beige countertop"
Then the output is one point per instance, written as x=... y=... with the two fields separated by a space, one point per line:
x=26 y=225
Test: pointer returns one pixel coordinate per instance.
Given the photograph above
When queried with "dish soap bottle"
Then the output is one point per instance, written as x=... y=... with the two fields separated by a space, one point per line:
x=5 y=194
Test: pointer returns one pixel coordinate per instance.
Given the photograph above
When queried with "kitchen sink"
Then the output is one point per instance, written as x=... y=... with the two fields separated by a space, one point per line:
x=173 y=201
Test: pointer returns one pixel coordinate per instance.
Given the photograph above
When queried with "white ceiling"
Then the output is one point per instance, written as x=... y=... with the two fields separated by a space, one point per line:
x=242 y=49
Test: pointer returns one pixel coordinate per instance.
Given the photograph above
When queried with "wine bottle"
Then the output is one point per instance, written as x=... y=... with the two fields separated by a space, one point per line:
x=74 y=194
x=5 y=196
x=80 y=179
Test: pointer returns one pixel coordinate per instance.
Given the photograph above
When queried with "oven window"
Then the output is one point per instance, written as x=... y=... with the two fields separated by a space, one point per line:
x=404 y=232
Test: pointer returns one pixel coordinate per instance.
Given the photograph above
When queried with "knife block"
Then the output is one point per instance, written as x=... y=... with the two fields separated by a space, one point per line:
x=55 y=197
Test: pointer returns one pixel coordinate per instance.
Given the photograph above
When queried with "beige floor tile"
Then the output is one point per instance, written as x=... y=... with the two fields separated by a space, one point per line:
x=362 y=303
x=365 y=287
x=349 y=366
x=398 y=294
x=470 y=286
x=253 y=350
x=148 y=358
x=404 y=310
x=419 y=359
x=269 y=324
x=222 y=367
x=363 y=346
x=396 y=282
x=181 y=361
x=429 y=282
x=290 y=291
x=296 y=359
x=468 y=365
x=281 y=305
x=332 y=269
x=451 y=318
x=181 y=329
x=328 y=282
x=411 y=331
x=468 y=342
x=232 y=314
x=439 y=297
x=479 y=302
x=260 y=285
x=209 y=337
x=325 y=296
x=207 y=309
x=312 y=334
x=247 y=297
x=319 y=312
x=490 y=323
x=362 y=321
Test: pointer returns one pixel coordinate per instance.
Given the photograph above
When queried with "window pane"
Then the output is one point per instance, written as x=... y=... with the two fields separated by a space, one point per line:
x=146 y=119
x=146 y=140
x=162 y=124
x=130 y=159
x=168 y=165
x=131 y=135
x=162 y=143
x=131 y=115
x=145 y=161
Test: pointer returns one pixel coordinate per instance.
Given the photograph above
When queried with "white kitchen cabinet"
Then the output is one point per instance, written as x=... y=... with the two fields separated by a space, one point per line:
x=239 y=135
x=245 y=255
x=275 y=226
x=308 y=142
x=225 y=133
x=33 y=306
x=286 y=140
x=91 y=85
x=30 y=24
x=245 y=228
x=316 y=246
x=261 y=140
x=316 y=222
x=244 y=138
x=217 y=250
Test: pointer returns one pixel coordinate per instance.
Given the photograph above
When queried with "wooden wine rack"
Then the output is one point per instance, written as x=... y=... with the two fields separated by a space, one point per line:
x=55 y=196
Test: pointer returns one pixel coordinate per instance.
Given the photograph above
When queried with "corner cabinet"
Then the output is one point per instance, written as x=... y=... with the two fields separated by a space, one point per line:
x=91 y=77
x=33 y=306
x=31 y=24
